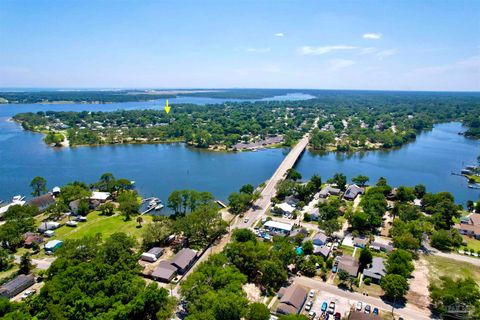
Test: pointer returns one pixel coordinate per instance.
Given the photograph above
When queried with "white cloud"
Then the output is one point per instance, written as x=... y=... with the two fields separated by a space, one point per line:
x=308 y=50
x=336 y=64
x=372 y=36
x=258 y=50
x=386 y=53
x=472 y=63
x=368 y=50
x=279 y=34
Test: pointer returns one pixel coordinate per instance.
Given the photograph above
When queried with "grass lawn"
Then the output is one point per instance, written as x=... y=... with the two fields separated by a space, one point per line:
x=472 y=243
x=439 y=266
x=349 y=251
x=105 y=225
x=473 y=177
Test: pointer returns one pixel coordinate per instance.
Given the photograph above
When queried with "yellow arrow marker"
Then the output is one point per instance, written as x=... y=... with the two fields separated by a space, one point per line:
x=167 y=108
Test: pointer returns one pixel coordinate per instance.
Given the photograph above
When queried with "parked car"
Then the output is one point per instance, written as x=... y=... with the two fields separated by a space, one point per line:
x=72 y=223
x=375 y=311
x=331 y=307
x=81 y=219
x=312 y=314
x=334 y=269
x=27 y=293
x=358 y=306
x=308 y=305
x=324 y=306
x=338 y=316
x=312 y=293
x=368 y=308
x=245 y=220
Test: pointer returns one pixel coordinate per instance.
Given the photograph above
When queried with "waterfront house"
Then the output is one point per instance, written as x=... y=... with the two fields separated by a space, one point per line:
x=292 y=300
x=319 y=239
x=100 y=196
x=349 y=264
x=48 y=225
x=352 y=192
x=42 y=202
x=329 y=191
x=164 y=272
x=278 y=228
x=376 y=270
x=469 y=226
x=184 y=259
x=17 y=285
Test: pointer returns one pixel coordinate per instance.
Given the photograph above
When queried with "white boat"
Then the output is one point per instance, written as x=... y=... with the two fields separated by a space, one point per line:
x=17 y=198
x=159 y=206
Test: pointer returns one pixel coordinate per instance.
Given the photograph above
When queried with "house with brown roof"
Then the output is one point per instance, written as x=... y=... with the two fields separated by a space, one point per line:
x=184 y=259
x=42 y=202
x=30 y=238
x=164 y=272
x=349 y=264
x=358 y=315
x=292 y=300
x=469 y=226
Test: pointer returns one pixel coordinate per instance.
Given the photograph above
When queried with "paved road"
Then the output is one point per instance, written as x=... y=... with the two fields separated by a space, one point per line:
x=451 y=255
x=408 y=312
x=261 y=206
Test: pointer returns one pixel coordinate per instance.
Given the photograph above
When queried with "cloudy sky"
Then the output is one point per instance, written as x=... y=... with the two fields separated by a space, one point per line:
x=385 y=45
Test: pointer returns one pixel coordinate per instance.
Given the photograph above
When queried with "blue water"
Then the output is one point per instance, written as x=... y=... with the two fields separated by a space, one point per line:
x=160 y=169
x=429 y=160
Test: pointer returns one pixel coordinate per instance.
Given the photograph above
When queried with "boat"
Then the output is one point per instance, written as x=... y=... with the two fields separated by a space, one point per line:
x=17 y=198
x=159 y=206
x=472 y=186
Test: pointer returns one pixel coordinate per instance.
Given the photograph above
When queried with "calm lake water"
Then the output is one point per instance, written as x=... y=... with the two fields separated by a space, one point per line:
x=160 y=169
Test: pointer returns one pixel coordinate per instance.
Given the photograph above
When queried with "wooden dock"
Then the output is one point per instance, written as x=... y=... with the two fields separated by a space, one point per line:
x=221 y=204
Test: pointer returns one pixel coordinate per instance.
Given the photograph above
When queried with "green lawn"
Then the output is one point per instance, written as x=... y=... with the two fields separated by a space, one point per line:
x=439 y=266
x=105 y=225
x=472 y=243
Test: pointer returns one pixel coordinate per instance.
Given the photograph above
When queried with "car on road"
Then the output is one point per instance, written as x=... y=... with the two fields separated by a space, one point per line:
x=375 y=311
x=245 y=220
x=338 y=316
x=358 y=306
x=331 y=307
x=324 y=306
x=334 y=269
x=27 y=293
x=311 y=293
x=312 y=314
x=368 y=308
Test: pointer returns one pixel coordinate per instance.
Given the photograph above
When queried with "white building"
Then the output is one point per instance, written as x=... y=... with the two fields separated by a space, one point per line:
x=278 y=227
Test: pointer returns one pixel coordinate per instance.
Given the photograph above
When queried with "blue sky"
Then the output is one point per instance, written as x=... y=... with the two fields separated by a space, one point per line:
x=385 y=45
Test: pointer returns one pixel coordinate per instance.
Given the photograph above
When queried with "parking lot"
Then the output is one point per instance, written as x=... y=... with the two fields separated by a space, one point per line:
x=341 y=305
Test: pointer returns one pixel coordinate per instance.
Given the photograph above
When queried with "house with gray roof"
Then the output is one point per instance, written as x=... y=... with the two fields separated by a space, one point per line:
x=329 y=191
x=352 y=192
x=42 y=202
x=292 y=300
x=184 y=259
x=319 y=239
x=164 y=272
x=323 y=251
x=17 y=285
x=376 y=270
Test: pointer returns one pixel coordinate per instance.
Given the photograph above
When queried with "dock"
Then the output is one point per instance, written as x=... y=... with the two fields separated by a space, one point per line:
x=153 y=204
x=221 y=204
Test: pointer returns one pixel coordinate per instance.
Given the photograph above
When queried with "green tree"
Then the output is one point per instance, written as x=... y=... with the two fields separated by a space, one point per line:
x=394 y=285
x=365 y=258
x=448 y=291
x=361 y=180
x=128 y=203
x=25 y=264
x=446 y=240
x=399 y=262
x=248 y=188
x=39 y=186
x=107 y=208
x=157 y=232
x=257 y=311
x=340 y=180
x=293 y=175
x=420 y=190
x=5 y=259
